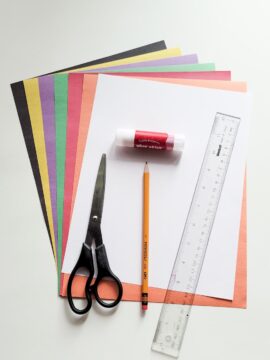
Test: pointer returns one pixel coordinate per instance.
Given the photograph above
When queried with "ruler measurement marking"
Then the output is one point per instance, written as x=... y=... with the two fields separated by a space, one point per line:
x=192 y=248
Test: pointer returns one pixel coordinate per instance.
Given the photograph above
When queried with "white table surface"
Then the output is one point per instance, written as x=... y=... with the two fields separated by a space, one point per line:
x=40 y=36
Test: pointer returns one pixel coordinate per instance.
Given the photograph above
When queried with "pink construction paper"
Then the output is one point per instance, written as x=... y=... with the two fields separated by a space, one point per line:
x=75 y=84
x=203 y=75
x=75 y=87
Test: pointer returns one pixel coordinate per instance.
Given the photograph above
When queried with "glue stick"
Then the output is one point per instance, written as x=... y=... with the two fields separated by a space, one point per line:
x=142 y=139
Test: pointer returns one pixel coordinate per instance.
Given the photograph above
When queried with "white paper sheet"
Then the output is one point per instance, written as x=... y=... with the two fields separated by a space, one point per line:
x=145 y=105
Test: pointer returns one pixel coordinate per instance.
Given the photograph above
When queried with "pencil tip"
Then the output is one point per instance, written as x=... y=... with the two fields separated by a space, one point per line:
x=146 y=167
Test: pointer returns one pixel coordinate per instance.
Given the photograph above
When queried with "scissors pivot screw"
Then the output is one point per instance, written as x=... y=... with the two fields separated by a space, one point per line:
x=95 y=218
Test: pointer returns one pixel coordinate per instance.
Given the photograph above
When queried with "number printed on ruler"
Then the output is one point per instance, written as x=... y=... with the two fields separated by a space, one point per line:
x=189 y=259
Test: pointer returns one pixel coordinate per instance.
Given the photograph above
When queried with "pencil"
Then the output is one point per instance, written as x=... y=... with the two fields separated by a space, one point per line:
x=145 y=252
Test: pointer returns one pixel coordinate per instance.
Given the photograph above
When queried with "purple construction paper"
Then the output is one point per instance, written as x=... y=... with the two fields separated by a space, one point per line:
x=46 y=89
x=176 y=60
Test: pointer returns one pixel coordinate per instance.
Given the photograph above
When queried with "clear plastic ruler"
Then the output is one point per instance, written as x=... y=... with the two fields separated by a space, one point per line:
x=191 y=252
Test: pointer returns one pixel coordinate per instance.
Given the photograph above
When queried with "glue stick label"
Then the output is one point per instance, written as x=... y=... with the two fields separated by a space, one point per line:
x=150 y=140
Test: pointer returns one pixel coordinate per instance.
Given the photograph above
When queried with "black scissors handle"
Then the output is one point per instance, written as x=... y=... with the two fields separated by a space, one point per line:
x=85 y=261
x=105 y=273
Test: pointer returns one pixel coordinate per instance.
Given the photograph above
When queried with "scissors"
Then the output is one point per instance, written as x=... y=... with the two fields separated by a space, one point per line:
x=85 y=260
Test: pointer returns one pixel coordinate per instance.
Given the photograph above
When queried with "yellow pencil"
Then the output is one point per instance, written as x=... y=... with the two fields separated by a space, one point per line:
x=145 y=237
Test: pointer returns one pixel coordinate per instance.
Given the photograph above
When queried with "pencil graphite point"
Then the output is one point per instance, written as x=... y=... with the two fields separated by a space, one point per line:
x=146 y=169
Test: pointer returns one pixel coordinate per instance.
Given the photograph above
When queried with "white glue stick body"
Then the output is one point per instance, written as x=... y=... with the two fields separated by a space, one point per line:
x=149 y=140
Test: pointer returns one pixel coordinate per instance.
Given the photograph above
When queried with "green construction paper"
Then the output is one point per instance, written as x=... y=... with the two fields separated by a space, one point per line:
x=61 y=119
x=168 y=68
x=60 y=93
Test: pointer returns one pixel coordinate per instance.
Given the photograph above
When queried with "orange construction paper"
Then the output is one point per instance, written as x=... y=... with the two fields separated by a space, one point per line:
x=132 y=292
x=88 y=96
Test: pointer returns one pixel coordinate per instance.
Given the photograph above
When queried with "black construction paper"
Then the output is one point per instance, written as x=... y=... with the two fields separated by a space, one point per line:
x=23 y=113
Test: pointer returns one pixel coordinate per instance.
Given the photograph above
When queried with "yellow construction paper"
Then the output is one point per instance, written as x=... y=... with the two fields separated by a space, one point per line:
x=156 y=55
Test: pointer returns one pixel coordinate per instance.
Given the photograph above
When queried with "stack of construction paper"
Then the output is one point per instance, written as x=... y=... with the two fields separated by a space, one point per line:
x=63 y=116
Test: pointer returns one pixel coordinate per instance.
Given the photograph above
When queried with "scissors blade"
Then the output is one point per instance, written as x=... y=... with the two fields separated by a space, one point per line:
x=98 y=198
